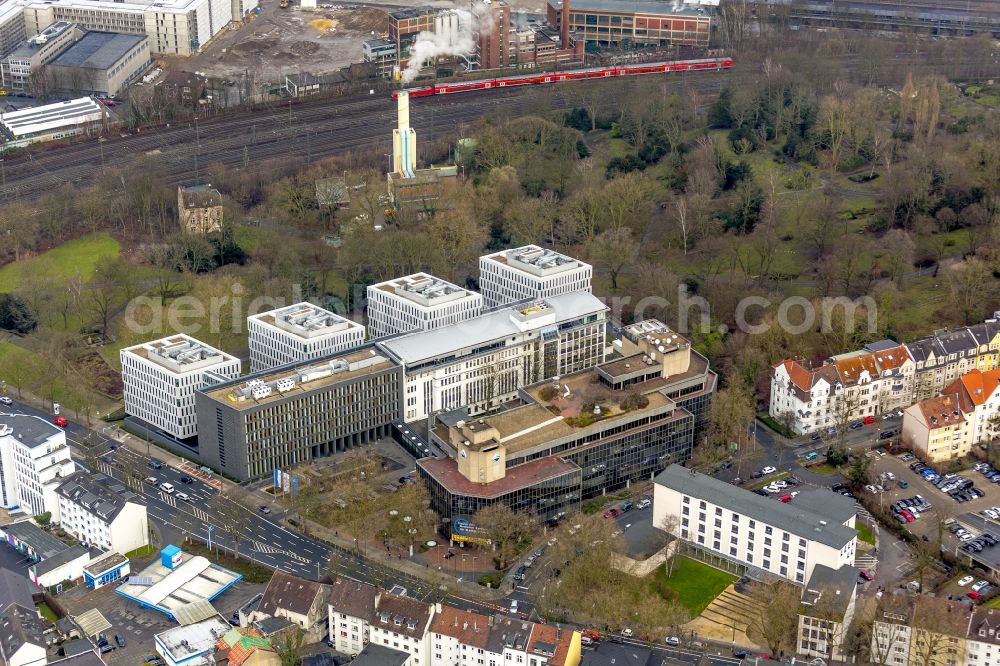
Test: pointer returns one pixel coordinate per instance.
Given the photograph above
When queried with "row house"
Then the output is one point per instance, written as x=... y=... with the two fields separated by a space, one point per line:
x=871 y=381
x=916 y=630
x=966 y=414
x=436 y=635
x=944 y=356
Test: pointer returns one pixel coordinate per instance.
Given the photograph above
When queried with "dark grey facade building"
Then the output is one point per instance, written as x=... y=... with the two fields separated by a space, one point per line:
x=296 y=413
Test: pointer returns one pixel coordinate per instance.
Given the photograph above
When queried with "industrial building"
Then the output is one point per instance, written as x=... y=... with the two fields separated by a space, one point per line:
x=783 y=539
x=381 y=54
x=637 y=22
x=160 y=379
x=294 y=414
x=51 y=121
x=418 y=302
x=18 y=66
x=483 y=362
x=100 y=63
x=34 y=460
x=299 y=332
x=180 y=27
x=570 y=438
x=530 y=273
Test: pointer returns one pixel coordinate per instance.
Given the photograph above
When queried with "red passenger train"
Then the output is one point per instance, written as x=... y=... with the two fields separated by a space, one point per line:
x=715 y=64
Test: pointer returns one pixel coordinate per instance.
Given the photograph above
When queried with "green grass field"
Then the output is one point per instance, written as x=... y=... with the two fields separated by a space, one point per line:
x=865 y=533
x=47 y=612
x=695 y=584
x=75 y=257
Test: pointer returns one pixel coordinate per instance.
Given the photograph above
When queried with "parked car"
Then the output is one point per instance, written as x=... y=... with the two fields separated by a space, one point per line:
x=868 y=420
x=742 y=654
x=120 y=640
x=856 y=425
x=768 y=470
x=785 y=499
x=902 y=483
x=60 y=421
x=672 y=640
x=965 y=580
x=627 y=506
x=612 y=513
x=5 y=400
x=263 y=508
x=867 y=576
x=643 y=503
x=978 y=587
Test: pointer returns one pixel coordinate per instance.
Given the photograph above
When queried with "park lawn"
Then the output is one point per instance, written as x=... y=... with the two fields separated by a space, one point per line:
x=76 y=257
x=696 y=584
x=865 y=533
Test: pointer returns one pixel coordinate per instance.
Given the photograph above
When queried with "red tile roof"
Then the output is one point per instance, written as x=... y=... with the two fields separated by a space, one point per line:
x=977 y=385
x=468 y=627
x=797 y=373
x=850 y=368
x=890 y=359
x=942 y=411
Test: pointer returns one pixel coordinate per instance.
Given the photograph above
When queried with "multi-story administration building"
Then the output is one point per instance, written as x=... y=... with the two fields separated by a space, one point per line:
x=299 y=332
x=530 y=273
x=418 y=302
x=296 y=413
x=161 y=377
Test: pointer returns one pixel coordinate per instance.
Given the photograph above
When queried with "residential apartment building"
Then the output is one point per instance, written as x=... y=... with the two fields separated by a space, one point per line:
x=825 y=614
x=34 y=460
x=438 y=635
x=947 y=426
x=982 y=645
x=18 y=66
x=948 y=354
x=296 y=413
x=161 y=377
x=22 y=637
x=200 y=209
x=350 y=614
x=100 y=512
x=917 y=630
x=482 y=362
x=418 y=302
x=530 y=273
x=874 y=380
x=300 y=332
x=302 y=602
x=646 y=22
x=788 y=540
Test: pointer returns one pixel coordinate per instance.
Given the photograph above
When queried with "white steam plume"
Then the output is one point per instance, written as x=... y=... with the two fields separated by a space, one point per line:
x=451 y=41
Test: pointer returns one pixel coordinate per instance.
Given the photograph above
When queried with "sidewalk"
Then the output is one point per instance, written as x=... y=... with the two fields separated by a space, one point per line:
x=433 y=575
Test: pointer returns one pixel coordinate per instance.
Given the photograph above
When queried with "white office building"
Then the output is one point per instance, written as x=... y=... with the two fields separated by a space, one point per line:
x=530 y=272
x=787 y=540
x=418 y=302
x=100 y=512
x=35 y=460
x=180 y=27
x=483 y=362
x=300 y=332
x=161 y=377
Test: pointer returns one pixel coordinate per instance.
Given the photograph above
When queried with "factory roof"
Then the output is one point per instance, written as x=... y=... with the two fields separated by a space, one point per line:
x=663 y=7
x=471 y=334
x=43 y=544
x=812 y=520
x=40 y=119
x=98 y=50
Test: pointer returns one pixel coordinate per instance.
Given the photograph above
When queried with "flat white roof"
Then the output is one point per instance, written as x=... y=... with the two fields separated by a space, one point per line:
x=306 y=321
x=52 y=116
x=416 y=347
x=190 y=640
x=424 y=290
x=124 y=7
x=195 y=579
x=535 y=260
x=179 y=353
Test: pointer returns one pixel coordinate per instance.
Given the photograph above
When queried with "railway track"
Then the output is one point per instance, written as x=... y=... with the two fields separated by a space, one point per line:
x=317 y=128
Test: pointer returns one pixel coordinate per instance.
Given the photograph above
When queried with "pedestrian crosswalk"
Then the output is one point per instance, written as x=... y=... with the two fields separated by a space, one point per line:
x=865 y=562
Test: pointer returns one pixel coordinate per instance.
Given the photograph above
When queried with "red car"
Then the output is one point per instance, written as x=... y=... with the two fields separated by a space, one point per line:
x=906 y=514
x=60 y=421
x=785 y=498
x=972 y=594
x=868 y=420
x=867 y=576
x=611 y=513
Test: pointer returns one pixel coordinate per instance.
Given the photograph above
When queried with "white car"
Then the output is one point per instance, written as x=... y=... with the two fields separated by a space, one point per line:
x=965 y=537
x=168 y=488
x=996 y=509
x=990 y=513
x=183 y=496
x=768 y=470
x=643 y=503
x=965 y=581
x=980 y=585
x=5 y=400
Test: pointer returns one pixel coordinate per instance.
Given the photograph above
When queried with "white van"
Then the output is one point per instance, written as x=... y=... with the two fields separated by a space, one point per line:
x=167 y=488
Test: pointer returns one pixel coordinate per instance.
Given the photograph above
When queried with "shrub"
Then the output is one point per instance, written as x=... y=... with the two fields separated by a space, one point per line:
x=493 y=580
x=548 y=393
